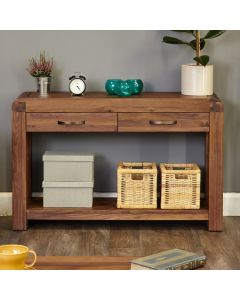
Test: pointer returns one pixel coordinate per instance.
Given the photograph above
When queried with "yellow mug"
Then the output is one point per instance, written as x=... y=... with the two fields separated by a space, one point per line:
x=12 y=257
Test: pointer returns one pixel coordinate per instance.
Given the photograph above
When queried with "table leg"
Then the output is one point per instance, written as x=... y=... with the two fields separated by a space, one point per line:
x=215 y=172
x=21 y=143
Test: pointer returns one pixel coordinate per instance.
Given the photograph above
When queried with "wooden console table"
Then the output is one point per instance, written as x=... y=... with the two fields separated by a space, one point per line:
x=98 y=112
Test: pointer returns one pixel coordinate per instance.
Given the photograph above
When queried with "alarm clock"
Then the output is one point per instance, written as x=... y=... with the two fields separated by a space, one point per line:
x=77 y=85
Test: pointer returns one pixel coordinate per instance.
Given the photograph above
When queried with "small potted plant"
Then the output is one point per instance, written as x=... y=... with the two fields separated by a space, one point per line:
x=196 y=79
x=42 y=70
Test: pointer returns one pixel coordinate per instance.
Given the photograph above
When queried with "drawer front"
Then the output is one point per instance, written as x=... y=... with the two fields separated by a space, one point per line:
x=71 y=122
x=161 y=122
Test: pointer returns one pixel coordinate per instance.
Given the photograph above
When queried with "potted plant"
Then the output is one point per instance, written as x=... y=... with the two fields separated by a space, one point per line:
x=42 y=70
x=196 y=79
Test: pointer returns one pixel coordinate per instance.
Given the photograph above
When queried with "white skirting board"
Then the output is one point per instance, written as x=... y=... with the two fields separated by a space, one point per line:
x=5 y=204
x=231 y=203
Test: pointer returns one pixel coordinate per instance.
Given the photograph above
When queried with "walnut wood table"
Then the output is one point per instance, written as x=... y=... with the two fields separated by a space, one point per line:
x=86 y=263
x=83 y=263
x=98 y=112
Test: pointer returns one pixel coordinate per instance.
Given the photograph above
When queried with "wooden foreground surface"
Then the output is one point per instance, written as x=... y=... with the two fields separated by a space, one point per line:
x=125 y=240
x=83 y=263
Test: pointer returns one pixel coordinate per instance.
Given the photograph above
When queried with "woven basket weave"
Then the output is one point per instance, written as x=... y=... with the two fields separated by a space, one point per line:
x=137 y=185
x=180 y=186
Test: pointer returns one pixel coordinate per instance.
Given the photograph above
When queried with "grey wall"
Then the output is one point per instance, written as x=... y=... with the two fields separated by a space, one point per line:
x=118 y=54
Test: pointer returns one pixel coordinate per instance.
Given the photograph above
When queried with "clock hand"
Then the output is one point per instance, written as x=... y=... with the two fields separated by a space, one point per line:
x=78 y=87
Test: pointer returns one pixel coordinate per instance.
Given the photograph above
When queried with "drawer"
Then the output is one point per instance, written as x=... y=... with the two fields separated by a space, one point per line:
x=71 y=122
x=157 y=122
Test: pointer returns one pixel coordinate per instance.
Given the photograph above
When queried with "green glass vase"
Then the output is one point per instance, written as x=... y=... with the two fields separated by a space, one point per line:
x=124 y=88
x=112 y=86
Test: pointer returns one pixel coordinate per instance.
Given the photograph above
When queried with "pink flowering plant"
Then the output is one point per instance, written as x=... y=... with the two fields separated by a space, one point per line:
x=41 y=68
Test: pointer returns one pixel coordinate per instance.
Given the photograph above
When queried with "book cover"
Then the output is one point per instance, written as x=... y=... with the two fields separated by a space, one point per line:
x=174 y=259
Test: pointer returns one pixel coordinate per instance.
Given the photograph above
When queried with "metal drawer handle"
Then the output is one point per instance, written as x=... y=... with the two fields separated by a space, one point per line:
x=163 y=122
x=71 y=122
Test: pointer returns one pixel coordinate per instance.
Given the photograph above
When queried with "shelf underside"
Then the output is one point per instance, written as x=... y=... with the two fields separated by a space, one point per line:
x=105 y=209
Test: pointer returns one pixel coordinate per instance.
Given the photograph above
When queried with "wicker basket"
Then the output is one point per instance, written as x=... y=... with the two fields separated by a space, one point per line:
x=137 y=185
x=180 y=186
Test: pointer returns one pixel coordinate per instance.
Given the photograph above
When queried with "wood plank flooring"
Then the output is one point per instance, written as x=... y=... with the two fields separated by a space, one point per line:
x=128 y=239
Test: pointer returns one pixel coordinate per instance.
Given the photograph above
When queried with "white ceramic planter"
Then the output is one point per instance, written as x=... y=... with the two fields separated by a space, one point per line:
x=197 y=80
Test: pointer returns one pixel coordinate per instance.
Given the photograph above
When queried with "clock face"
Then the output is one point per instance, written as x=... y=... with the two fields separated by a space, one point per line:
x=77 y=86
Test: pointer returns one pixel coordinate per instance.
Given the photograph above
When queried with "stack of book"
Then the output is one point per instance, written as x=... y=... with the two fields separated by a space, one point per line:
x=174 y=259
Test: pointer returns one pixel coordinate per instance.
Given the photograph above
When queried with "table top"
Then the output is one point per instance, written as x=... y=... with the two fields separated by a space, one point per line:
x=83 y=262
x=86 y=263
x=101 y=102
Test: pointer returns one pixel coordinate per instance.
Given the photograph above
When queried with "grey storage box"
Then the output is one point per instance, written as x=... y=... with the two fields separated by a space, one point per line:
x=68 y=166
x=67 y=194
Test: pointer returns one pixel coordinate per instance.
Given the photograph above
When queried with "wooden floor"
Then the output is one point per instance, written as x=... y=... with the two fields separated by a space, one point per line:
x=129 y=239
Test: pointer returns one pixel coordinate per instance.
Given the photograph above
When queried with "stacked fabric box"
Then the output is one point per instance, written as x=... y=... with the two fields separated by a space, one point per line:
x=68 y=179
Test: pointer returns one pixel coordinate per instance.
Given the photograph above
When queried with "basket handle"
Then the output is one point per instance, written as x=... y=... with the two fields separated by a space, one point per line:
x=181 y=176
x=137 y=176
x=162 y=122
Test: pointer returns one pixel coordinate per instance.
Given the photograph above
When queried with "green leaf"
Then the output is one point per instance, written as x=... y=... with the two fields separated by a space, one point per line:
x=193 y=44
x=174 y=41
x=213 y=34
x=202 y=60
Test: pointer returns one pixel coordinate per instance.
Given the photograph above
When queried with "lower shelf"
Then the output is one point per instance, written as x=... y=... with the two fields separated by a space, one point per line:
x=105 y=209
